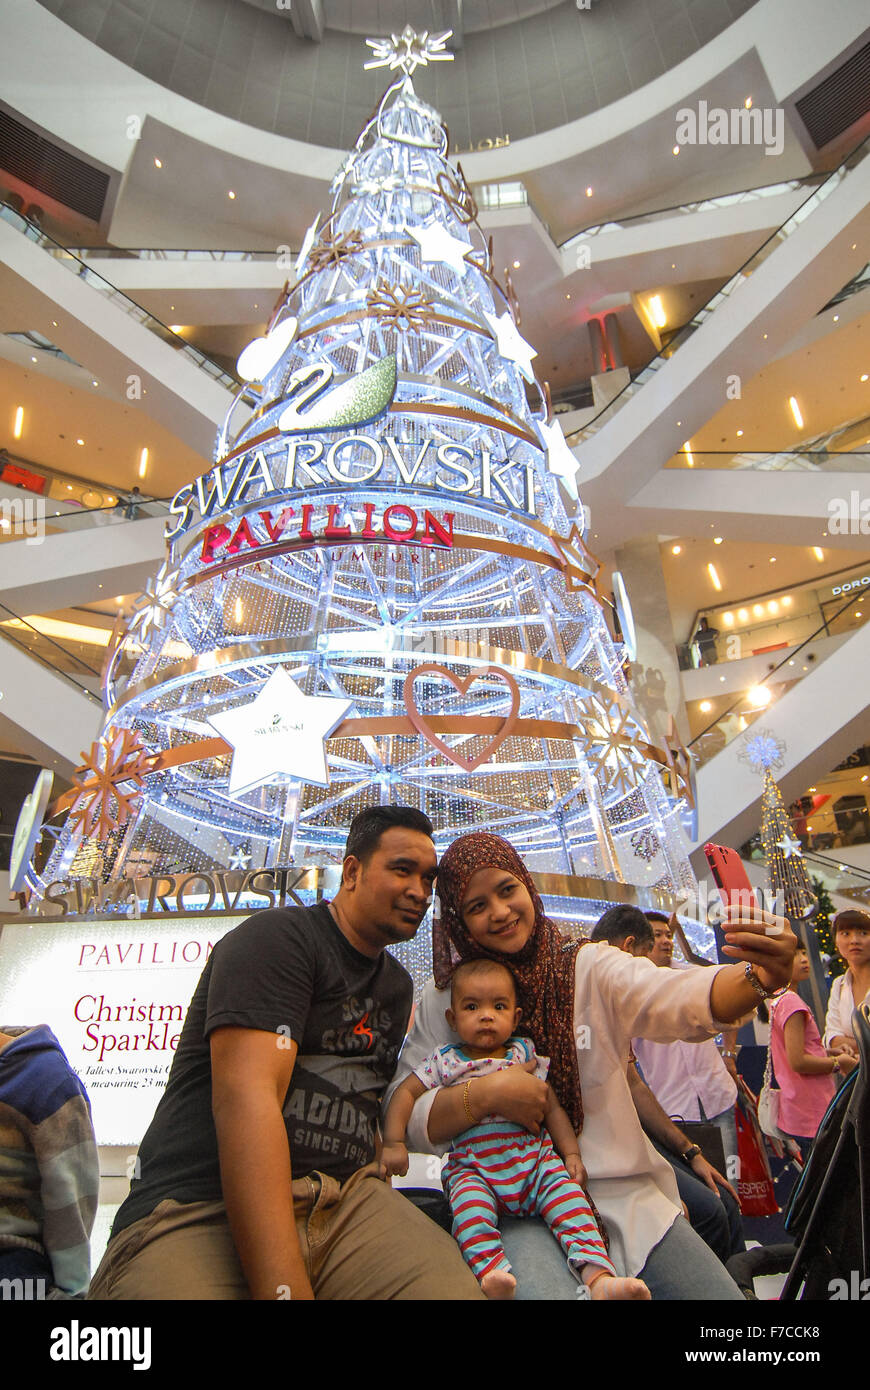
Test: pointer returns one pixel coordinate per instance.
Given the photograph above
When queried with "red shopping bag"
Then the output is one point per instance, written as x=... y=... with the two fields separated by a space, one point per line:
x=754 y=1182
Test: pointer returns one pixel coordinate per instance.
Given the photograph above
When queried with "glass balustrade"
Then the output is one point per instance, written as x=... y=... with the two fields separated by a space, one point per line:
x=71 y=262
x=741 y=712
x=724 y=200
x=70 y=503
x=77 y=661
x=833 y=606
x=814 y=200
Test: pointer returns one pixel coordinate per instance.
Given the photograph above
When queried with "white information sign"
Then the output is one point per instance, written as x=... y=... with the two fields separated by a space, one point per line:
x=115 y=993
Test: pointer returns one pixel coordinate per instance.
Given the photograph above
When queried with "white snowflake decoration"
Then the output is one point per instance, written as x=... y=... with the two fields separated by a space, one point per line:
x=762 y=751
x=409 y=50
x=156 y=603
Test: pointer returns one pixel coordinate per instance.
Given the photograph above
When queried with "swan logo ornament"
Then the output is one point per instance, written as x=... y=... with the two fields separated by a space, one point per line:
x=357 y=400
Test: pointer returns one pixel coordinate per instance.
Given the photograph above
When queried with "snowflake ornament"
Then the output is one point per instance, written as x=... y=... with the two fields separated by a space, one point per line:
x=762 y=751
x=109 y=783
x=152 y=608
x=409 y=50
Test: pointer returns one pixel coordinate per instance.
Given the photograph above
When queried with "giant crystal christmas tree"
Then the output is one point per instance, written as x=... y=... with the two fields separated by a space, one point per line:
x=381 y=591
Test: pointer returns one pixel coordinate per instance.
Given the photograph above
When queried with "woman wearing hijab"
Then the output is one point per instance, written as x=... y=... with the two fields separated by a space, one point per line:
x=582 y=1003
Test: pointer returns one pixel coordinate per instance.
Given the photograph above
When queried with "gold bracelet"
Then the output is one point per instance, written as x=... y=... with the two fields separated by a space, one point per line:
x=471 y=1119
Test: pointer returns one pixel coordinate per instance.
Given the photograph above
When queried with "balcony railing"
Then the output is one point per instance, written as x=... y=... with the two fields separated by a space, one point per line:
x=71 y=262
x=819 y=194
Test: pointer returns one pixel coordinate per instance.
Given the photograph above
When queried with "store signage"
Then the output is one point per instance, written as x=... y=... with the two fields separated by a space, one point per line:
x=396 y=523
x=850 y=585
x=115 y=993
x=350 y=461
x=220 y=890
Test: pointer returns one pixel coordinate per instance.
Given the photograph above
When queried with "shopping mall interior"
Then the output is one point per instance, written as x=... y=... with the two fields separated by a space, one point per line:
x=676 y=194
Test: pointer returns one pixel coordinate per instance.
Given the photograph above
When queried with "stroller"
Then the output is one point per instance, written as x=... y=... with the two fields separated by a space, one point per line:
x=829 y=1213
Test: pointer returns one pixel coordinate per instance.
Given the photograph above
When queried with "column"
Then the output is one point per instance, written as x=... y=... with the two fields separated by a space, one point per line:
x=655 y=672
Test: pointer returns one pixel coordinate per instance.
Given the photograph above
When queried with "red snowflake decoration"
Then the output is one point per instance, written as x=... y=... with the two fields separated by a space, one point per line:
x=109 y=783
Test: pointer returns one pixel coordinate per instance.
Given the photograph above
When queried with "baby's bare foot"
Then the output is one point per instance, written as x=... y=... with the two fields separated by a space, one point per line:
x=500 y=1283
x=608 y=1287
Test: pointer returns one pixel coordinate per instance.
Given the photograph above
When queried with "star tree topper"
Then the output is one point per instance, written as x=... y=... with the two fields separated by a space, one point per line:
x=409 y=50
x=280 y=733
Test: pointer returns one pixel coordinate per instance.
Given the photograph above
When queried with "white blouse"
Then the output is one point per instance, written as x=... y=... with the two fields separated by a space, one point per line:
x=616 y=998
x=841 y=1006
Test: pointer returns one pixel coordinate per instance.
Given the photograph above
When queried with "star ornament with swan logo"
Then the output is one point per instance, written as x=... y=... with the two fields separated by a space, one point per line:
x=409 y=50
x=280 y=733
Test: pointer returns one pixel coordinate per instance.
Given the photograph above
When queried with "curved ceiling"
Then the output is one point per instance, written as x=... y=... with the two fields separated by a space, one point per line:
x=534 y=67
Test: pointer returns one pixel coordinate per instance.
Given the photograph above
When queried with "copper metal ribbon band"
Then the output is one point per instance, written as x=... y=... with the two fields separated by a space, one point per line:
x=201 y=749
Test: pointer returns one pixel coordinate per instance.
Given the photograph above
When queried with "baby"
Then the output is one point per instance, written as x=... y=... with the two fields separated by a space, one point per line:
x=496 y=1165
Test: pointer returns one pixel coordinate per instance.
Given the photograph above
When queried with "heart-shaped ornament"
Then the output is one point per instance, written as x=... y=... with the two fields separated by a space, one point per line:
x=461 y=684
x=259 y=357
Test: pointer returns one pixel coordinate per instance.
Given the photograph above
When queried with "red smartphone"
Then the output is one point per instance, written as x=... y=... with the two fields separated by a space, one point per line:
x=730 y=877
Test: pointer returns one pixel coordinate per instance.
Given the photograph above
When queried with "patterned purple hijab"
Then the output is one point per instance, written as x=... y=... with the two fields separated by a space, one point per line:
x=543 y=969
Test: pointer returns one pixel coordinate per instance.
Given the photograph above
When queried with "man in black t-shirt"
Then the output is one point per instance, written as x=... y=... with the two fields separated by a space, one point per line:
x=288 y=1046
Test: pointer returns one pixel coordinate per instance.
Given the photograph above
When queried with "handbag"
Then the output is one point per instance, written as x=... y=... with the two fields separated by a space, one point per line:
x=769 y=1096
x=754 y=1182
x=708 y=1138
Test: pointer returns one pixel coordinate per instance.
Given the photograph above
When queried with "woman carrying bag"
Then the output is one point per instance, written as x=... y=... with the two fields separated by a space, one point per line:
x=803 y=1071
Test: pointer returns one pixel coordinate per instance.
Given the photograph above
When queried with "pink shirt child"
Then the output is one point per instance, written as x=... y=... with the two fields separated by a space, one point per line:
x=803 y=1099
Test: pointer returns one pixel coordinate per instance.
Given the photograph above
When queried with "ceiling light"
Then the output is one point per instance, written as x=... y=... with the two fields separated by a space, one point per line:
x=864 y=377
x=516 y=265
x=714 y=577
x=773 y=606
x=705 y=706
x=676 y=550
x=80 y=442
x=796 y=412
x=772 y=560
x=717 y=540
x=818 y=552
x=836 y=318
x=143 y=463
x=231 y=194
x=19 y=423
x=690 y=458
x=33 y=359
x=743 y=615
x=567 y=296
x=176 y=327
x=728 y=619
x=747 y=103
x=95 y=383
x=739 y=434
x=54 y=323
x=158 y=163
x=658 y=314
x=759 y=696
x=786 y=603
x=721 y=680
x=758 y=610
x=675 y=150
